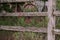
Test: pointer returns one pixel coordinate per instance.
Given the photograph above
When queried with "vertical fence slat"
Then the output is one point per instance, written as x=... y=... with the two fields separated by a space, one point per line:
x=51 y=22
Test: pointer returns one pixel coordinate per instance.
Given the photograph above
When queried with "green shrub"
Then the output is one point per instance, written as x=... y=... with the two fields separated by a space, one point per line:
x=58 y=22
x=22 y=21
x=58 y=4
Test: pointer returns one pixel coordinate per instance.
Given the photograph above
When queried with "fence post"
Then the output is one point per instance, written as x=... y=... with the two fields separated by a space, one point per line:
x=51 y=21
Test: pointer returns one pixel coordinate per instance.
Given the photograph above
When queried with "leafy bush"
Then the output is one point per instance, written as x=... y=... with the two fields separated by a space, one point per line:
x=24 y=21
x=30 y=36
x=58 y=4
x=58 y=22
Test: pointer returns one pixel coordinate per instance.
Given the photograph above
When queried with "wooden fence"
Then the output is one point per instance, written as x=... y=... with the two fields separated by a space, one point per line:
x=51 y=14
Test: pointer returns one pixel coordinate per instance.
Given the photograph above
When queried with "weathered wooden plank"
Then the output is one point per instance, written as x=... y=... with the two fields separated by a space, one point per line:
x=19 y=28
x=51 y=23
x=56 y=13
x=5 y=1
x=57 y=31
x=23 y=0
x=29 y=29
x=25 y=14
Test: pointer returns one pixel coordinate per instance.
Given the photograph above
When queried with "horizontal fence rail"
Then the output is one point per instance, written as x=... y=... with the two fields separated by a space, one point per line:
x=19 y=28
x=4 y=1
x=25 y=14
x=28 y=29
x=57 y=31
x=55 y=13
